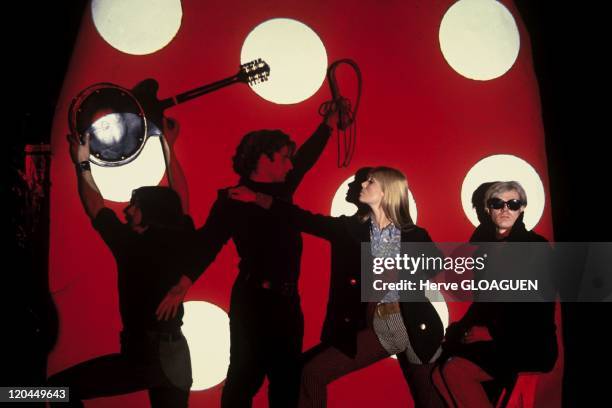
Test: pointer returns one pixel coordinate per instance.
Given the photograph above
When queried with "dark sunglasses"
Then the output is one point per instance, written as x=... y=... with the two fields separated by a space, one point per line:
x=498 y=204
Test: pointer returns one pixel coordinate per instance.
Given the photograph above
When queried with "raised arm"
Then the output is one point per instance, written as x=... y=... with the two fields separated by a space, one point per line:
x=88 y=190
x=176 y=177
x=310 y=151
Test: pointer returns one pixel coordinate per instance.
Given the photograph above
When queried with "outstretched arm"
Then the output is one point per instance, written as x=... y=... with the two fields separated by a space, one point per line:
x=207 y=243
x=88 y=190
x=323 y=226
x=169 y=306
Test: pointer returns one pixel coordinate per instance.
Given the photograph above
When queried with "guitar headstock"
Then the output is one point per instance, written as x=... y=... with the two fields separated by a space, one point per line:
x=254 y=72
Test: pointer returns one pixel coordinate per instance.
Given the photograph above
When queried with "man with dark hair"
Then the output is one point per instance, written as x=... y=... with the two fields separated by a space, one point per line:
x=256 y=143
x=152 y=253
x=266 y=321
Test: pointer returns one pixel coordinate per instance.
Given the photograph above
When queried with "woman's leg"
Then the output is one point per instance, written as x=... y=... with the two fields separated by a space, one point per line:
x=419 y=380
x=326 y=364
x=392 y=332
x=459 y=381
x=440 y=385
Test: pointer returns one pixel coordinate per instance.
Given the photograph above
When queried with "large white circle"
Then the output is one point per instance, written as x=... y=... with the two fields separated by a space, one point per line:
x=479 y=39
x=137 y=27
x=206 y=328
x=340 y=206
x=505 y=167
x=295 y=54
x=117 y=183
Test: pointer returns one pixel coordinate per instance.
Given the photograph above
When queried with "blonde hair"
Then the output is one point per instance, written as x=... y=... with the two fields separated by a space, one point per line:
x=395 y=199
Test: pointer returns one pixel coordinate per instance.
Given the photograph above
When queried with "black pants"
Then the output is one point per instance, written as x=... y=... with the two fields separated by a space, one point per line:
x=146 y=361
x=266 y=331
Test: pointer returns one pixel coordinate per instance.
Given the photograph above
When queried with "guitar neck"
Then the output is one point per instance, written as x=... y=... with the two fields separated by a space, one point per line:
x=194 y=93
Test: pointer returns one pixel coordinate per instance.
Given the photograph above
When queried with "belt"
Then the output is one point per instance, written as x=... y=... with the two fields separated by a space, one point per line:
x=384 y=310
x=288 y=289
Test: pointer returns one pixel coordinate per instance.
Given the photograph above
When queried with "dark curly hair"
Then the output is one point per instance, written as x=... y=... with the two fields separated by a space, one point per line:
x=256 y=143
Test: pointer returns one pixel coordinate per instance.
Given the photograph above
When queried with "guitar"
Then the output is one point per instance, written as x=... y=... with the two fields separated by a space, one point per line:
x=119 y=121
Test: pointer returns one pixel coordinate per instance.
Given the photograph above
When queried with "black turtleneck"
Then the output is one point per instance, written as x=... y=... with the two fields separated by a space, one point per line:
x=485 y=232
x=268 y=247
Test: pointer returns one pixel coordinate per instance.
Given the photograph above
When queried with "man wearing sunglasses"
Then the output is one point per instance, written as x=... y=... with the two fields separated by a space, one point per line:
x=505 y=203
x=494 y=341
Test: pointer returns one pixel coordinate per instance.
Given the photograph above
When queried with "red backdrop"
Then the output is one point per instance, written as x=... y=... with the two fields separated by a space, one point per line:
x=417 y=114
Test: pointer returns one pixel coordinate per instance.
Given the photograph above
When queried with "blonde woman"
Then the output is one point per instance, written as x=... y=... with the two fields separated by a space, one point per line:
x=357 y=334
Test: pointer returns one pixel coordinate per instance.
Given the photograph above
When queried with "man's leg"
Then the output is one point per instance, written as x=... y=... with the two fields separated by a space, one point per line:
x=283 y=355
x=168 y=397
x=176 y=367
x=246 y=370
x=108 y=375
x=326 y=364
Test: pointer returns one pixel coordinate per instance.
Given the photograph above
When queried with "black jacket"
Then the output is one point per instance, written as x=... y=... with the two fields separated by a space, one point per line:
x=524 y=334
x=346 y=313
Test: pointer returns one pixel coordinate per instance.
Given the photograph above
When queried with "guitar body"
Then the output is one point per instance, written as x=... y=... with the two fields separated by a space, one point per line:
x=119 y=121
x=146 y=93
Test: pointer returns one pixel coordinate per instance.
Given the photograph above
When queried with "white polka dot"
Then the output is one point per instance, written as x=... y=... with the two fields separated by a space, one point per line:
x=479 y=39
x=340 y=206
x=137 y=27
x=206 y=328
x=505 y=167
x=295 y=54
x=117 y=183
